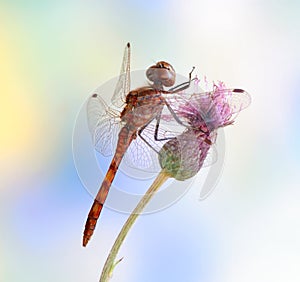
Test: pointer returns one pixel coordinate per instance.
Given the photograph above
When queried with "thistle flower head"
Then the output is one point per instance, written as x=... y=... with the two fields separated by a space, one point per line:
x=209 y=110
x=184 y=156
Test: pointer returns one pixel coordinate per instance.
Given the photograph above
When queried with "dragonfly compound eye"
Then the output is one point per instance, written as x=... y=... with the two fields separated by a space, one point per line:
x=162 y=73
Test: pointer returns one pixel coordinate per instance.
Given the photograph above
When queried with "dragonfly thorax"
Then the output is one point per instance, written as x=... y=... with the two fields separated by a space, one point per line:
x=161 y=74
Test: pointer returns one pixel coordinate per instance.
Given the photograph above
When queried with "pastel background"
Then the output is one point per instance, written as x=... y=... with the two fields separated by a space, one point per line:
x=54 y=53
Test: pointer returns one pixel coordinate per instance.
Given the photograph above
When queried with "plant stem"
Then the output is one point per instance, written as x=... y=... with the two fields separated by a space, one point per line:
x=110 y=261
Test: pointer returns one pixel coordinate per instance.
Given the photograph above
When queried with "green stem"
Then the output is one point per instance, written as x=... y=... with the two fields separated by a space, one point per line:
x=110 y=261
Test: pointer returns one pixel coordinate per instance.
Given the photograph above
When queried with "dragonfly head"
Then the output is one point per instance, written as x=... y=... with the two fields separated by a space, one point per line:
x=161 y=74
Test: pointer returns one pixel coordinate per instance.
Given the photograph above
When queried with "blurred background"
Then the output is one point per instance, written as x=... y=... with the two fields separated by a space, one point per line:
x=54 y=53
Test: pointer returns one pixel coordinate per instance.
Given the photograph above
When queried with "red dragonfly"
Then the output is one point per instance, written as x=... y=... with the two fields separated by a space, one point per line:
x=141 y=107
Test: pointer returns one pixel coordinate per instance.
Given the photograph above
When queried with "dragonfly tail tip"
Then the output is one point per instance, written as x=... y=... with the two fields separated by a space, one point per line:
x=85 y=241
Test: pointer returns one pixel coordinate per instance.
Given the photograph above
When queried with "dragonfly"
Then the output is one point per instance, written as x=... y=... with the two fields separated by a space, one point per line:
x=138 y=108
x=182 y=157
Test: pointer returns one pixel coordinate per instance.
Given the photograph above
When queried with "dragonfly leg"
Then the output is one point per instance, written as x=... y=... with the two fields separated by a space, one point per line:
x=183 y=85
x=156 y=130
x=140 y=135
x=155 y=133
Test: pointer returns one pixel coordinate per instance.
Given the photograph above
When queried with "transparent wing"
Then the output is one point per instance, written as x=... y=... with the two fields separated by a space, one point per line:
x=176 y=104
x=190 y=110
x=143 y=152
x=123 y=84
x=238 y=101
x=140 y=156
x=213 y=109
x=104 y=125
x=226 y=105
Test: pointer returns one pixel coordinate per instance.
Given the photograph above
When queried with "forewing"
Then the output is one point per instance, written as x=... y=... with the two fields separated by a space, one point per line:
x=215 y=108
x=104 y=125
x=177 y=109
x=228 y=103
x=123 y=84
x=238 y=100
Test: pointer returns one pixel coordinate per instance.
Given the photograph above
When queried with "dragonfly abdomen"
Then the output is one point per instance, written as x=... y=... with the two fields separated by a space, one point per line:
x=125 y=137
x=91 y=221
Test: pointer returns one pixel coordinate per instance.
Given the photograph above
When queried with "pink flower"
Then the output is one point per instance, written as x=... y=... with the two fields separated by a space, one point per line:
x=209 y=110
